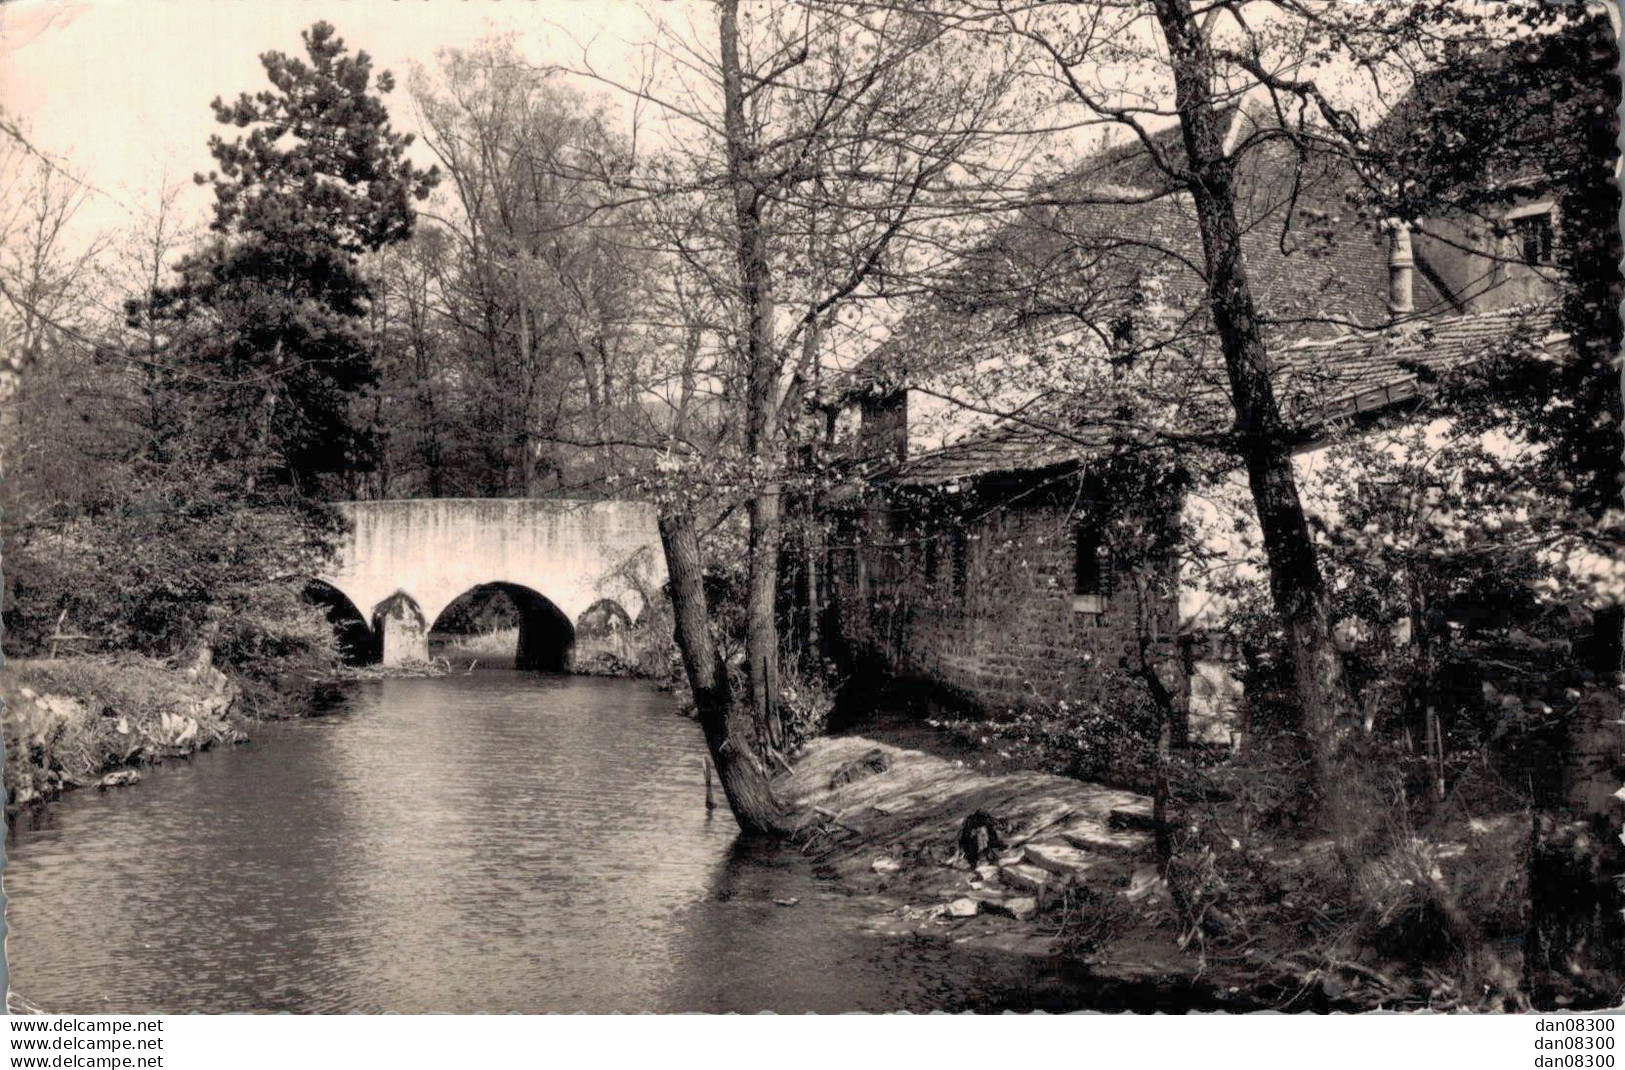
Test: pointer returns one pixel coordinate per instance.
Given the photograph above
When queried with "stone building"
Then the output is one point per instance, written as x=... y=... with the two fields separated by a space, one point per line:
x=1013 y=542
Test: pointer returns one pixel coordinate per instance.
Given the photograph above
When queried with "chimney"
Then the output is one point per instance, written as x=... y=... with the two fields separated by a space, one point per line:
x=1401 y=268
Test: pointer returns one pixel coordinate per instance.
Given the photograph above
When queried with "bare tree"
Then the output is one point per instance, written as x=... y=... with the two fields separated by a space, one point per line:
x=543 y=278
x=48 y=313
x=827 y=153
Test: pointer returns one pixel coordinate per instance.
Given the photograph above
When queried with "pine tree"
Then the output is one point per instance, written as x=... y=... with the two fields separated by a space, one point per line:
x=263 y=325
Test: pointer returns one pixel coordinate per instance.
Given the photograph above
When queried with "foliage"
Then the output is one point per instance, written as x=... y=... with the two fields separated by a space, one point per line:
x=1535 y=118
x=807 y=695
x=1110 y=743
x=1468 y=593
x=1466 y=589
x=164 y=569
x=509 y=331
x=643 y=651
x=1430 y=919
x=268 y=363
x=343 y=182
x=1467 y=582
x=236 y=397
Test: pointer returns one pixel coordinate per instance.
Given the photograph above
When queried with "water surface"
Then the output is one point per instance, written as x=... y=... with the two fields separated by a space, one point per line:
x=495 y=842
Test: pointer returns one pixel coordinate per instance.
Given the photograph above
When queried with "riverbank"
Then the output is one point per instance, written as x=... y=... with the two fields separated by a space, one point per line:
x=1076 y=880
x=95 y=721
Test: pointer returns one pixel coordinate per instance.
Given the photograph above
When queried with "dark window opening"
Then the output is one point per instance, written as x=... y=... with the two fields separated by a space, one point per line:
x=883 y=428
x=956 y=549
x=1534 y=236
x=1091 y=571
x=1090 y=567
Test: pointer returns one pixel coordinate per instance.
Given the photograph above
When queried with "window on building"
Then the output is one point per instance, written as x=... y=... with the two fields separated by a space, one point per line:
x=883 y=430
x=1091 y=571
x=1533 y=234
x=961 y=568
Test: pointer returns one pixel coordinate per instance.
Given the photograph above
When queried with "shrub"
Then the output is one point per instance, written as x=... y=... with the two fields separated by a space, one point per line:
x=806 y=699
x=167 y=570
x=1113 y=743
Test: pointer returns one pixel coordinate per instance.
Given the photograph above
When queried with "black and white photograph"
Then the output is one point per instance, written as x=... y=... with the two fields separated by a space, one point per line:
x=810 y=506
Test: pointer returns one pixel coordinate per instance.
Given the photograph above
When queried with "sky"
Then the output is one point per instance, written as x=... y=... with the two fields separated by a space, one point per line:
x=119 y=90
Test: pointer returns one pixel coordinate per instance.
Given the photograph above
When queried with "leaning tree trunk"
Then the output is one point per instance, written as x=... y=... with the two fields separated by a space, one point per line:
x=729 y=727
x=761 y=624
x=1329 y=717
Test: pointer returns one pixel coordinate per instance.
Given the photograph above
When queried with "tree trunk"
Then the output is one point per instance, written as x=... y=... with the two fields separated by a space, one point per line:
x=527 y=464
x=729 y=728
x=761 y=625
x=762 y=400
x=812 y=577
x=1326 y=709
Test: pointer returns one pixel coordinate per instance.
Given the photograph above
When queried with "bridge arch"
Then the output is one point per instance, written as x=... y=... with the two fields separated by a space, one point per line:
x=406 y=559
x=546 y=636
x=603 y=617
x=357 y=641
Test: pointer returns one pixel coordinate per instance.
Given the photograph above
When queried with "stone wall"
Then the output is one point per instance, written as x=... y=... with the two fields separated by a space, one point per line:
x=985 y=610
x=1478 y=282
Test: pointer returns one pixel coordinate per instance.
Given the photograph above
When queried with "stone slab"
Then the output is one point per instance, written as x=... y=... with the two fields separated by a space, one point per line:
x=1063 y=860
x=1090 y=836
x=1039 y=883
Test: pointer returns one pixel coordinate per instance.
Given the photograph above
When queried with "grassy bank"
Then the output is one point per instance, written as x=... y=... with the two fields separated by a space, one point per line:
x=92 y=721
x=494 y=647
x=638 y=653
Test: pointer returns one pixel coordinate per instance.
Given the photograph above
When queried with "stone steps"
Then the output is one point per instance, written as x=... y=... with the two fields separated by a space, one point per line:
x=1041 y=884
x=1067 y=862
x=1020 y=907
x=1136 y=818
x=1094 y=837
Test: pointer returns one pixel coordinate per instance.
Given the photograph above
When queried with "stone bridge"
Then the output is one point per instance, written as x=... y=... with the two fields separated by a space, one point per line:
x=403 y=562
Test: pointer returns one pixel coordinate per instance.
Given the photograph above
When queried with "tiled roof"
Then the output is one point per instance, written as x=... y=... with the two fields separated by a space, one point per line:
x=1316 y=382
x=999 y=450
x=1074 y=263
x=1325 y=379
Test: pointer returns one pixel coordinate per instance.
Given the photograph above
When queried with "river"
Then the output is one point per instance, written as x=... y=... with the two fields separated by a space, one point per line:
x=496 y=842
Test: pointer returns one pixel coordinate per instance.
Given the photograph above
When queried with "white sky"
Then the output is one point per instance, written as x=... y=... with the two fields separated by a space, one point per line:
x=119 y=90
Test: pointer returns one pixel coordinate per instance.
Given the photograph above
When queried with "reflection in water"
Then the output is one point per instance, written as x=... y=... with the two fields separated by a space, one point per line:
x=497 y=842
